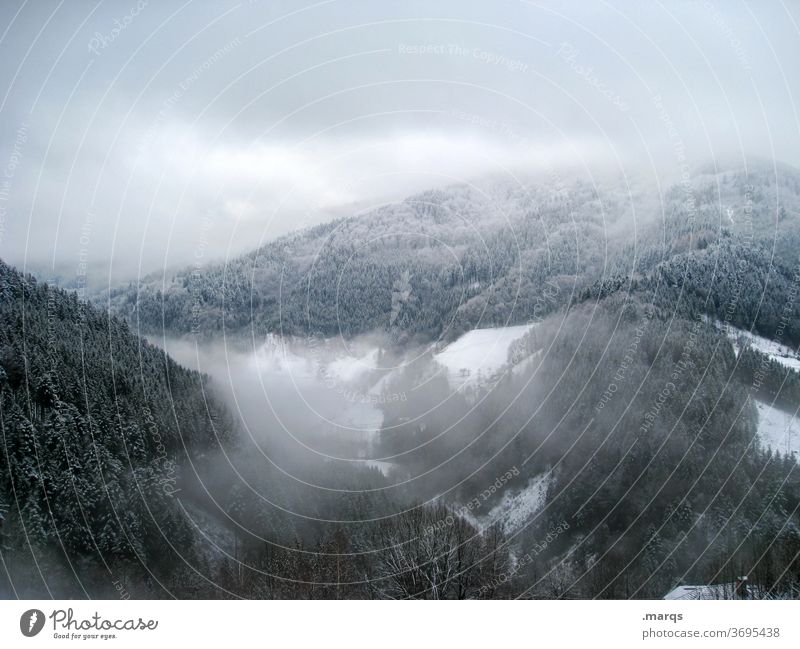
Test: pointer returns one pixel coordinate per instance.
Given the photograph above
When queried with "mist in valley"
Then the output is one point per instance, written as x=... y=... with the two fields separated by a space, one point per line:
x=459 y=300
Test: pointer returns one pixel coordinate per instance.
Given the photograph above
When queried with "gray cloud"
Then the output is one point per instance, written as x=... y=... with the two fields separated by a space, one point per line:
x=156 y=134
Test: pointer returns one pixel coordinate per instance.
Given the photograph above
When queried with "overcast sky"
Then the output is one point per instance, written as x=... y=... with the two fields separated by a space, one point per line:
x=136 y=136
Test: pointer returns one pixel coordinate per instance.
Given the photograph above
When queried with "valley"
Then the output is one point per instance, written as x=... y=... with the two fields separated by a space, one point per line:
x=350 y=398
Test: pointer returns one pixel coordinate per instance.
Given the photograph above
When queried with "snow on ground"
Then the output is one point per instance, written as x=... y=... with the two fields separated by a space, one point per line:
x=776 y=351
x=478 y=355
x=711 y=591
x=777 y=429
x=513 y=512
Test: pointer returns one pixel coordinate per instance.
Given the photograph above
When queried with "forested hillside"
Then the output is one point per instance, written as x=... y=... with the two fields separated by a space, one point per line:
x=497 y=254
x=97 y=425
x=615 y=449
x=123 y=475
x=468 y=255
x=649 y=444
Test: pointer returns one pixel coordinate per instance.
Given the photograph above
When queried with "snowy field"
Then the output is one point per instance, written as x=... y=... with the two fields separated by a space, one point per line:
x=776 y=351
x=478 y=355
x=515 y=509
x=513 y=512
x=777 y=429
x=703 y=592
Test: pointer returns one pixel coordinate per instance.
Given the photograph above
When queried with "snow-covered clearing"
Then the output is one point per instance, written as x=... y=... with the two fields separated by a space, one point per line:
x=777 y=429
x=776 y=351
x=703 y=592
x=479 y=355
x=514 y=511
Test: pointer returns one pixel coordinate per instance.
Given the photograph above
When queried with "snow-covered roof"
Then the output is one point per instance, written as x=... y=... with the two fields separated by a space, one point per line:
x=708 y=591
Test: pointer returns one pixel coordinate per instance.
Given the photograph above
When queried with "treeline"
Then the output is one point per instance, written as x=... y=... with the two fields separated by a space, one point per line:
x=508 y=254
x=660 y=468
x=647 y=434
x=96 y=426
x=423 y=553
x=469 y=258
x=123 y=475
x=123 y=467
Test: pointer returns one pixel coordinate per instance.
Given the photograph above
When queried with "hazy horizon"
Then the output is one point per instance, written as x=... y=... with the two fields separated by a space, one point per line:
x=139 y=137
x=539 y=337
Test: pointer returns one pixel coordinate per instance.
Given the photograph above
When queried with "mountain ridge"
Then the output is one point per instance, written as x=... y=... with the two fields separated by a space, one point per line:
x=472 y=259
